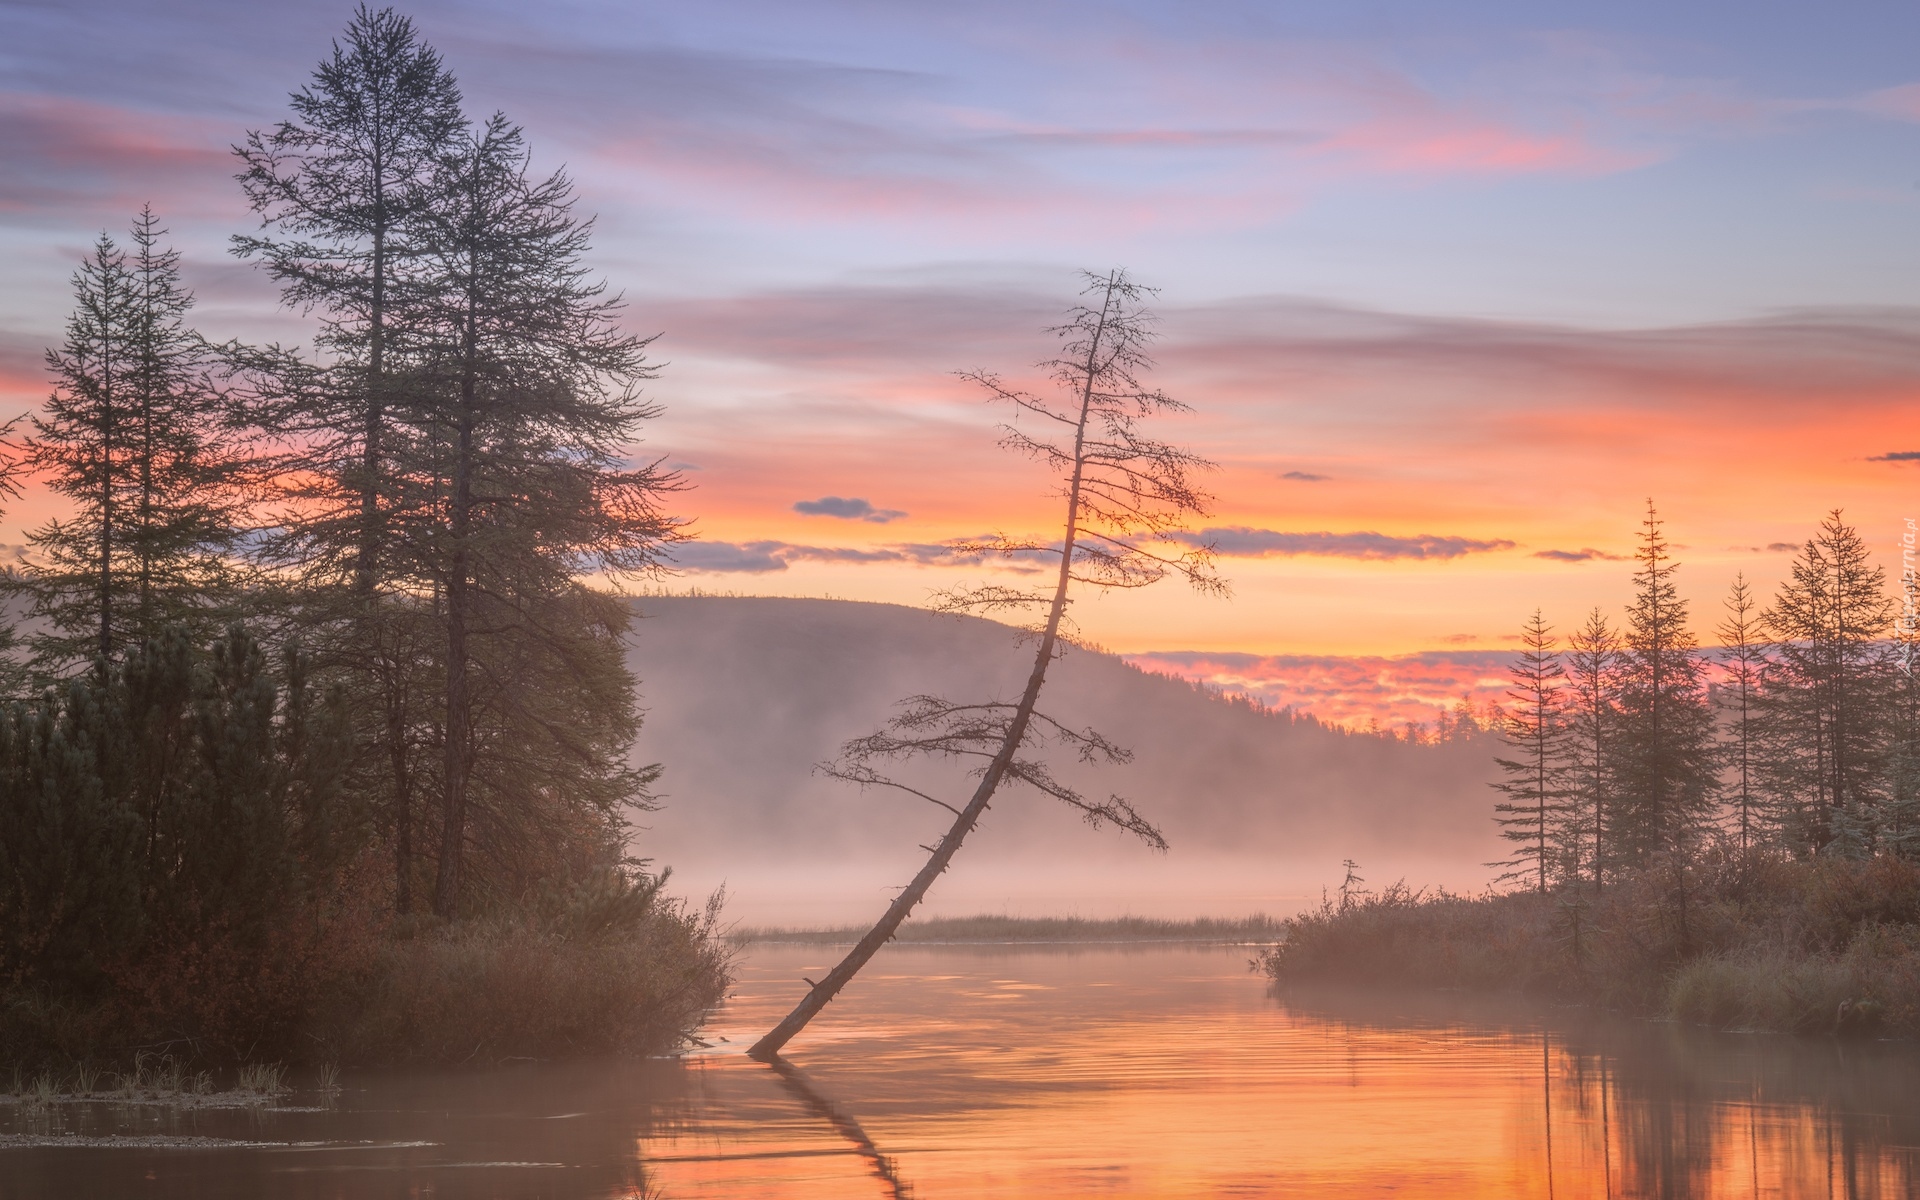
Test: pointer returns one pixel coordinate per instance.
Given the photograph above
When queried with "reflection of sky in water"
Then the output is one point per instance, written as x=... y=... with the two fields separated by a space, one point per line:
x=961 y=1072
x=1174 y=1073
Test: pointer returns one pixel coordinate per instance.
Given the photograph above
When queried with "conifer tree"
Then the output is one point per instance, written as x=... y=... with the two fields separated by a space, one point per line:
x=536 y=396
x=1594 y=662
x=1900 y=827
x=1664 y=761
x=132 y=436
x=1740 y=635
x=1826 y=691
x=339 y=189
x=338 y=185
x=1534 y=726
x=1128 y=497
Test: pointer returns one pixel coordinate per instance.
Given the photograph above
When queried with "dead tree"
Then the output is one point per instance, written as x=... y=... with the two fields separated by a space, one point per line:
x=1128 y=499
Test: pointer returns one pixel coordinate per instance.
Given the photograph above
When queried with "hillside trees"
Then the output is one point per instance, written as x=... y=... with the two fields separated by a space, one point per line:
x=1127 y=497
x=133 y=437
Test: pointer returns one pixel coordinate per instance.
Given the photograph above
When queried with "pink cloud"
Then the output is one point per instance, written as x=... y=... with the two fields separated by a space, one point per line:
x=1901 y=103
x=62 y=153
x=1467 y=147
x=1350 y=691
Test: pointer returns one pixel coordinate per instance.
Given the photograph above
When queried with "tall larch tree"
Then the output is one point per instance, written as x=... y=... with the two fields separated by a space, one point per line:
x=535 y=399
x=1900 y=828
x=338 y=188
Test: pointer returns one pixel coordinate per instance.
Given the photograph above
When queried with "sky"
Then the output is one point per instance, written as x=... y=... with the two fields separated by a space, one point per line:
x=1453 y=290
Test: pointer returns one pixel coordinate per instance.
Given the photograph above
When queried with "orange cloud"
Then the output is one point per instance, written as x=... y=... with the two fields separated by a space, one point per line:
x=1349 y=690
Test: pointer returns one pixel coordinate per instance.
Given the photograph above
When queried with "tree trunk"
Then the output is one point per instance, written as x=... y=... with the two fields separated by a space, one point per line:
x=446 y=899
x=768 y=1048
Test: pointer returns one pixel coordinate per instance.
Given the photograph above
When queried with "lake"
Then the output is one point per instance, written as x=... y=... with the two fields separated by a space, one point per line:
x=1112 y=1071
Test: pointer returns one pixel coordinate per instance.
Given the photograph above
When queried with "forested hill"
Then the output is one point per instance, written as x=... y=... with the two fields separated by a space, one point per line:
x=745 y=695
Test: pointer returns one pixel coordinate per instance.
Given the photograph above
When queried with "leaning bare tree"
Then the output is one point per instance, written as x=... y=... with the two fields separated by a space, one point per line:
x=1128 y=499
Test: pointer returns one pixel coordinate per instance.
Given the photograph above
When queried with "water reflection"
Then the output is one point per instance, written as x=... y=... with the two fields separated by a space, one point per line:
x=845 y=1125
x=1639 y=1109
x=1145 y=1072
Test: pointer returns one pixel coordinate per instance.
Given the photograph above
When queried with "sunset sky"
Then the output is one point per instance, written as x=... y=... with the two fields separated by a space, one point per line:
x=1453 y=289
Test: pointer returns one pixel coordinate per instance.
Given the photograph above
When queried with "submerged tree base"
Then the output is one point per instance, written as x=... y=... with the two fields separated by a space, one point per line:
x=1748 y=942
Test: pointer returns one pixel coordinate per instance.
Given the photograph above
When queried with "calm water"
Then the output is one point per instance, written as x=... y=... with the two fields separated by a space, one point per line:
x=951 y=1072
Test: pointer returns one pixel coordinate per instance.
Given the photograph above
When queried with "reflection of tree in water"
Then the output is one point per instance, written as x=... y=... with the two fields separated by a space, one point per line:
x=1686 y=1112
x=1638 y=1109
x=843 y=1123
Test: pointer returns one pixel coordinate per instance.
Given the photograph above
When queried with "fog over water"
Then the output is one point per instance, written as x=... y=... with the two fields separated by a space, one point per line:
x=744 y=695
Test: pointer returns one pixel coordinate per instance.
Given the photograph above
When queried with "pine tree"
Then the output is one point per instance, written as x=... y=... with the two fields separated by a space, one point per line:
x=1826 y=691
x=1664 y=761
x=1534 y=726
x=1594 y=663
x=132 y=436
x=1740 y=635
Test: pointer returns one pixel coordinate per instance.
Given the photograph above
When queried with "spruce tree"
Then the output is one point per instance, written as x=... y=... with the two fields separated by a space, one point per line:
x=1740 y=635
x=132 y=436
x=1664 y=765
x=1535 y=728
x=1900 y=826
x=1594 y=662
x=1827 y=692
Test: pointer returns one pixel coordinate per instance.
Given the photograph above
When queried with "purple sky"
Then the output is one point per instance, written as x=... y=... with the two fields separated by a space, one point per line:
x=1453 y=288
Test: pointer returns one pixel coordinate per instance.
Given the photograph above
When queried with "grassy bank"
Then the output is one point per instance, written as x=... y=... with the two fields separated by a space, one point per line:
x=612 y=969
x=1734 y=941
x=1259 y=929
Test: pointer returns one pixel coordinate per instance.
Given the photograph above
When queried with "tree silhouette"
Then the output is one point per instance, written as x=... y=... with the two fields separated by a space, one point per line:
x=1128 y=497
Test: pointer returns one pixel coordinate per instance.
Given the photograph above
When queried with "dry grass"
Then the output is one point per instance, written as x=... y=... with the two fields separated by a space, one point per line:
x=1735 y=941
x=484 y=992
